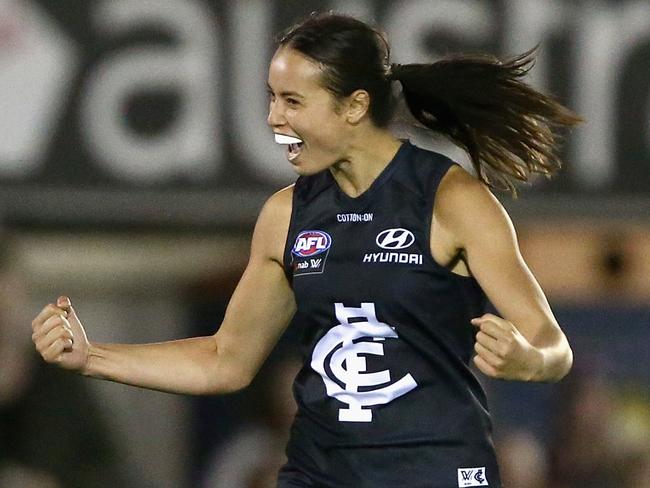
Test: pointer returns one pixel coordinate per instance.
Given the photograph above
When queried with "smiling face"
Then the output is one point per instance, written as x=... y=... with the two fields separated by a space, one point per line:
x=302 y=108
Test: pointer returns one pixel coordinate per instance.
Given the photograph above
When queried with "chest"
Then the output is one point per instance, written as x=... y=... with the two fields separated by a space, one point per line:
x=367 y=252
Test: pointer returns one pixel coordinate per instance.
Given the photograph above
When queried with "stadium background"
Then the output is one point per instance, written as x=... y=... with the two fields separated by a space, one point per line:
x=134 y=157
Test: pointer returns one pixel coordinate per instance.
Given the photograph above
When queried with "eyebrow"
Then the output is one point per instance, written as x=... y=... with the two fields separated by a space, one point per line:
x=284 y=93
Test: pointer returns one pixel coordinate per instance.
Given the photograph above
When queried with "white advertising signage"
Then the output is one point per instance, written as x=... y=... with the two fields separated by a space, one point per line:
x=111 y=105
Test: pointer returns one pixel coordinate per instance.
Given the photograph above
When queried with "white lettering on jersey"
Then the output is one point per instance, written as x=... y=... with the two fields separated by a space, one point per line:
x=306 y=243
x=392 y=257
x=349 y=368
x=354 y=217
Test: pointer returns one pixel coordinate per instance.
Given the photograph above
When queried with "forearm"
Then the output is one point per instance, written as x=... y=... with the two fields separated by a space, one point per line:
x=554 y=360
x=188 y=366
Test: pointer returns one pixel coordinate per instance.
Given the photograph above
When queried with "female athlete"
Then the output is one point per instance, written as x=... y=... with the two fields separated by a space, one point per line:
x=384 y=255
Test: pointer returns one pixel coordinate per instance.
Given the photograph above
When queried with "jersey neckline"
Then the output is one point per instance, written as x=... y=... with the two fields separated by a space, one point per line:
x=379 y=181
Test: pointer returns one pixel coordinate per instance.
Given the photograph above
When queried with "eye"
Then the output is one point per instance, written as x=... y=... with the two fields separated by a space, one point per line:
x=270 y=94
x=292 y=102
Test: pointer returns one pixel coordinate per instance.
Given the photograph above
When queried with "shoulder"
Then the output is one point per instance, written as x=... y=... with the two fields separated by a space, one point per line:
x=459 y=188
x=276 y=213
x=279 y=204
x=466 y=207
x=273 y=225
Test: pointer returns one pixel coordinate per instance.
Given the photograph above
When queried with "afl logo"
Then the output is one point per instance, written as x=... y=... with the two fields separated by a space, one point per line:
x=311 y=242
x=395 y=239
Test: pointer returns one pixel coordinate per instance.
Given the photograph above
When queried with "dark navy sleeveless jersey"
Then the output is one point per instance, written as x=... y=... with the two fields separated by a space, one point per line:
x=385 y=397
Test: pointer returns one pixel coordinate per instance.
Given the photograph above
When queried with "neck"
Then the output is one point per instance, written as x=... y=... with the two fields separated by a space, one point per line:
x=366 y=158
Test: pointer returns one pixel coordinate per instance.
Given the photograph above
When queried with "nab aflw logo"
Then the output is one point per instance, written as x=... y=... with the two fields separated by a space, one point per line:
x=310 y=242
x=471 y=477
x=310 y=251
x=337 y=359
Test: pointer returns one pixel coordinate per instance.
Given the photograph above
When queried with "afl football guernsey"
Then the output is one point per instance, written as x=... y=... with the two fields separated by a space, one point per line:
x=385 y=396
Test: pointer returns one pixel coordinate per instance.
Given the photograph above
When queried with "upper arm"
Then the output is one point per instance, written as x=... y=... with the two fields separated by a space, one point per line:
x=482 y=229
x=263 y=302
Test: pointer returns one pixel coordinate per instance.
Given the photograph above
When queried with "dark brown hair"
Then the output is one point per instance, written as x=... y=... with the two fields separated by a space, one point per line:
x=508 y=128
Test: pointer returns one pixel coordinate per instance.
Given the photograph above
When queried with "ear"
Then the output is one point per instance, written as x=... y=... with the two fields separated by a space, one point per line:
x=358 y=106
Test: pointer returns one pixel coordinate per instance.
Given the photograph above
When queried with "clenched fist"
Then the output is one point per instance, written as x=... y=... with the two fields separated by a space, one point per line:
x=59 y=337
x=502 y=351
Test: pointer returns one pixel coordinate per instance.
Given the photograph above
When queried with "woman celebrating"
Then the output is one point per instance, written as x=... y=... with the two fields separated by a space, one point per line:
x=385 y=253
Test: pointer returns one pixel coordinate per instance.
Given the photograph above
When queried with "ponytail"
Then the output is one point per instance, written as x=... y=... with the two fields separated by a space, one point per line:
x=482 y=105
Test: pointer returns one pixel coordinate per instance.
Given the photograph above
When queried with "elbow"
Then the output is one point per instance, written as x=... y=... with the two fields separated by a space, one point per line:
x=238 y=382
x=225 y=386
x=226 y=381
x=223 y=373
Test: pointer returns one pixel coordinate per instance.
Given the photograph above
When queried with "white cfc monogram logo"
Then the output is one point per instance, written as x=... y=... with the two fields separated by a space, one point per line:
x=356 y=323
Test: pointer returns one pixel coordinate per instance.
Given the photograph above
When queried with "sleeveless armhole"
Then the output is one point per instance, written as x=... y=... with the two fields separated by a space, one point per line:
x=444 y=166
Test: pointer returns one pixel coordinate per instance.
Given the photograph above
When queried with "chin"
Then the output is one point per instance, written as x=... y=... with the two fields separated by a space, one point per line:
x=300 y=171
x=306 y=169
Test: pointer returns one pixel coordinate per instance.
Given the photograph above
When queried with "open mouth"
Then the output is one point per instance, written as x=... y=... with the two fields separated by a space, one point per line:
x=294 y=145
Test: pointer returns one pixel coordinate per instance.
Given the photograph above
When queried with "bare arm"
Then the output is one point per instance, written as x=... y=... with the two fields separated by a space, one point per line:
x=259 y=311
x=527 y=343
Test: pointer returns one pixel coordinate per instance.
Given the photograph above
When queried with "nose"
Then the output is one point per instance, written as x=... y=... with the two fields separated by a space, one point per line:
x=276 y=115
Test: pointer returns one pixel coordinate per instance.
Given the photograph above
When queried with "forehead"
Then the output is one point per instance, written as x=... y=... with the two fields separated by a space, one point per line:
x=291 y=70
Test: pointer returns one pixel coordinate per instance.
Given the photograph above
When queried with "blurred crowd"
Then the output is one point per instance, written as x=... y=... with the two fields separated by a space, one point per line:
x=599 y=438
x=52 y=434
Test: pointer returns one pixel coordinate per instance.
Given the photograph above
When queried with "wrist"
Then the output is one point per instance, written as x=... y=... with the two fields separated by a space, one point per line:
x=91 y=354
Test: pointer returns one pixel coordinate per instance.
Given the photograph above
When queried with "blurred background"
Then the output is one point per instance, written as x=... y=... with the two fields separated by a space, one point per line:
x=134 y=158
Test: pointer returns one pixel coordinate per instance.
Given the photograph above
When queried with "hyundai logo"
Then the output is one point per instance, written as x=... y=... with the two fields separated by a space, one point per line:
x=395 y=239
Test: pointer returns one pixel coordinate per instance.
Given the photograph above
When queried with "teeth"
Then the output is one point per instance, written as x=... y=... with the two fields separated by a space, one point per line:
x=282 y=139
